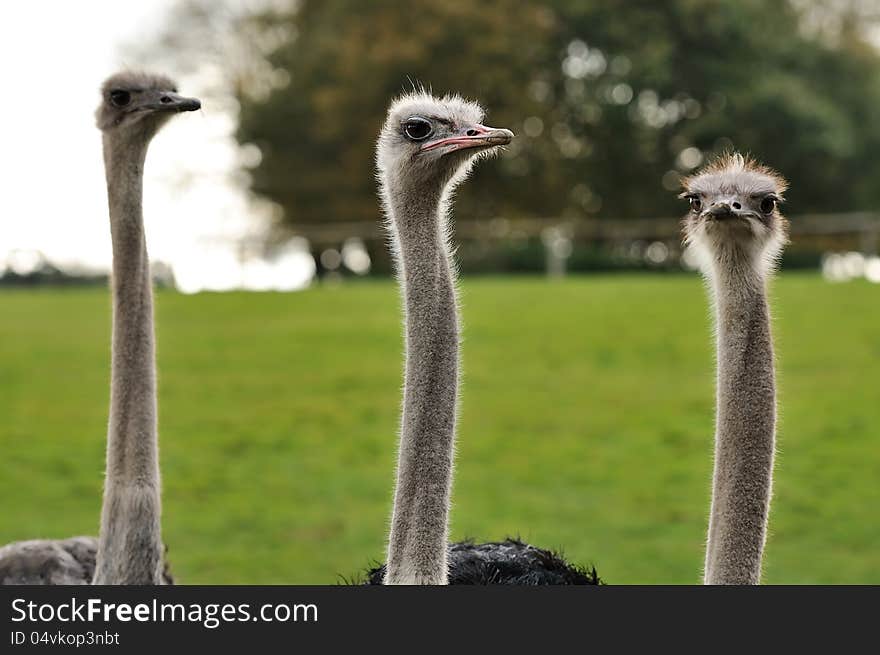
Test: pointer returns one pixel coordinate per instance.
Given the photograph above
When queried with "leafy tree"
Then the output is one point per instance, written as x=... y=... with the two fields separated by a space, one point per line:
x=611 y=100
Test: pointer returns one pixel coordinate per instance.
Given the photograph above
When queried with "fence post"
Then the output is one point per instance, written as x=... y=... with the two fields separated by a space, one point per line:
x=557 y=249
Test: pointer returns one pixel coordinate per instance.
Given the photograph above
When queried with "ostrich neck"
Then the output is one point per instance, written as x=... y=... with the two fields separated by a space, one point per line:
x=130 y=543
x=745 y=426
x=417 y=548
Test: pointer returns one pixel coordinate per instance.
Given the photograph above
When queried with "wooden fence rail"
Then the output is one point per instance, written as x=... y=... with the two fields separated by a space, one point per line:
x=864 y=225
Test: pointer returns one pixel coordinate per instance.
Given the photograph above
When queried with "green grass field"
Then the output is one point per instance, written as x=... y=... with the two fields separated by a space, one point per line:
x=586 y=424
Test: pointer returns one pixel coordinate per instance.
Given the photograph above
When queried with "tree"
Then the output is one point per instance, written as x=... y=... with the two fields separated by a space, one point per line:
x=611 y=101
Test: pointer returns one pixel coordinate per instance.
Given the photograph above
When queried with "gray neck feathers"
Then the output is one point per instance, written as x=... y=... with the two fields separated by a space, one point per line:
x=417 y=547
x=130 y=545
x=745 y=422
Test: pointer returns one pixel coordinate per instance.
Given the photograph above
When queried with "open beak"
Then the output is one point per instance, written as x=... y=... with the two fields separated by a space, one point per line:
x=475 y=136
x=176 y=103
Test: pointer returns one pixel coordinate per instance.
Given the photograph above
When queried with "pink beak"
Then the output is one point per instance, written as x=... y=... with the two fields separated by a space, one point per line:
x=474 y=136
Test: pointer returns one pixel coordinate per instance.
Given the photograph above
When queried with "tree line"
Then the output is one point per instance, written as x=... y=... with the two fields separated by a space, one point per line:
x=611 y=101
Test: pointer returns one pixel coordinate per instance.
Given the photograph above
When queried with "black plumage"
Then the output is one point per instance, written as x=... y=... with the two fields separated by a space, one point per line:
x=508 y=562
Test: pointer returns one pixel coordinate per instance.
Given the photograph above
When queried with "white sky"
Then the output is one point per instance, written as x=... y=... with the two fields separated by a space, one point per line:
x=53 y=58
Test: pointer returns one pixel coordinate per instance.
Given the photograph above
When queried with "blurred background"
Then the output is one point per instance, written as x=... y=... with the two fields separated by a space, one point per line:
x=587 y=407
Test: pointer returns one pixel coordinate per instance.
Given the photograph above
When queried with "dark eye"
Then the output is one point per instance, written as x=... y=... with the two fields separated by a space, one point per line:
x=417 y=129
x=120 y=98
x=768 y=204
x=696 y=203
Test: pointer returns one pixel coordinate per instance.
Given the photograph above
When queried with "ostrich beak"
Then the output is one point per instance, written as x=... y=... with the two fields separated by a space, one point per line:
x=175 y=103
x=475 y=136
x=719 y=211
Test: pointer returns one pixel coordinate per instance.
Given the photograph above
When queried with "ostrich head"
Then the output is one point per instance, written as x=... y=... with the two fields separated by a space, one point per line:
x=734 y=213
x=139 y=103
x=428 y=141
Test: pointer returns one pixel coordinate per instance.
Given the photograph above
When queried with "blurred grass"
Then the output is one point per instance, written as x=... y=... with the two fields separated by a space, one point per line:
x=586 y=423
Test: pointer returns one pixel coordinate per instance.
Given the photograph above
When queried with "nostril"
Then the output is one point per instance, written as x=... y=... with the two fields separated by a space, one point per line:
x=736 y=205
x=165 y=100
x=472 y=133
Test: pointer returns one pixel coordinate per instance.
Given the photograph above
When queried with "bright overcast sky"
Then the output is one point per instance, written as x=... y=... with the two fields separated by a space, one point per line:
x=53 y=58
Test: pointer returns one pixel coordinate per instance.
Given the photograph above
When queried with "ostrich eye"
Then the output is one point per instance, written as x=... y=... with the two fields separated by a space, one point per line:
x=768 y=204
x=696 y=203
x=417 y=129
x=120 y=98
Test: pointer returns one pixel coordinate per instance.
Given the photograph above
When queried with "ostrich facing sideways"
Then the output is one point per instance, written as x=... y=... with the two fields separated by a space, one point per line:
x=129 y=548
x=737 y=233
x=426 y=148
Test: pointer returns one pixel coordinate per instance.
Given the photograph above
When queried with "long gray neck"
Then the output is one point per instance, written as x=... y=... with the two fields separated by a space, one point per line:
x=745 y=426
x=417 y=546
x=130 y=549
